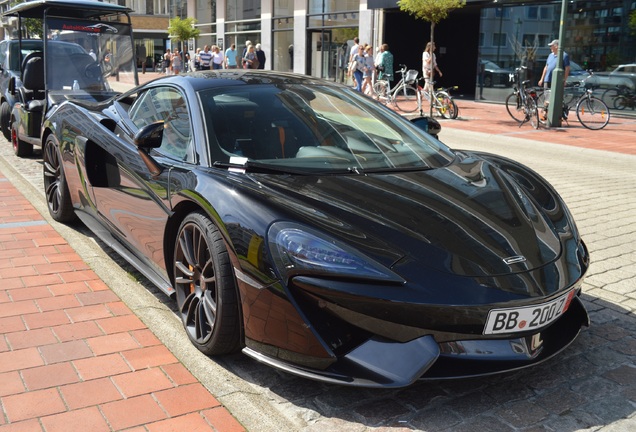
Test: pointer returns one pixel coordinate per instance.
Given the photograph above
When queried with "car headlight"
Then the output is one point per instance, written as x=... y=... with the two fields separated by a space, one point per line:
x=298 y=249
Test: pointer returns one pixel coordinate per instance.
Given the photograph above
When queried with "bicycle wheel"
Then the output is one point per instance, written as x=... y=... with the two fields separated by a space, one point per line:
x=610 y=95
x=592 y=113
x=531 y=112
x=515 y=107
x=405 y=99
x=380 y=91
x=621 y=102
x=446 y=106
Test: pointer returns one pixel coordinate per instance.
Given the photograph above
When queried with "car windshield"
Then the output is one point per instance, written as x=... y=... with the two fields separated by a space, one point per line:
x=314 y=128
x=88 y=60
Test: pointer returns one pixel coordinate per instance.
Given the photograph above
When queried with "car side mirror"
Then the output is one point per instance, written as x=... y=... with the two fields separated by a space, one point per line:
x=146 y=138
x=428 y=125
x=149 y=136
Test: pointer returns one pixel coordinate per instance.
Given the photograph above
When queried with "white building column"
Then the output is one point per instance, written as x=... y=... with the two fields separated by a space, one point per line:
x=366 y=24
x=300 y=36
x=267 y=10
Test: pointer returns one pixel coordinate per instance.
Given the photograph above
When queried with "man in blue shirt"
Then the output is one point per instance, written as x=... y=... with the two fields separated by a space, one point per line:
x=230 y=57
x=550 y=64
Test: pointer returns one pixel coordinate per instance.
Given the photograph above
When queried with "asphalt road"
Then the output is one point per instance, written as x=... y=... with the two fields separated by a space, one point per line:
x=591 y=386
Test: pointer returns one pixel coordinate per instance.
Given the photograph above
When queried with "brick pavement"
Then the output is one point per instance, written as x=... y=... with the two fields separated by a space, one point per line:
x=73 y=355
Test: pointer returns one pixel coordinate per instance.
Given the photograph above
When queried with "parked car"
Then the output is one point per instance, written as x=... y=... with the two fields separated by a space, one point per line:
x=11 y=56
x=310 y=227
x=622 y=76
x=495 y=75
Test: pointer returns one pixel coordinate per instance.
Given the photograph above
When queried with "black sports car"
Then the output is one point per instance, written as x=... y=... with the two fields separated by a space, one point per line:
x=318 y=231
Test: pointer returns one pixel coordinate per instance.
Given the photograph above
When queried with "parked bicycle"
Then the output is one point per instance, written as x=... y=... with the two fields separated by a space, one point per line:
x=591 y=111
x=442 y=100
x=521 y=104
x=626 y=100
x=403 y=95
x=609 y=96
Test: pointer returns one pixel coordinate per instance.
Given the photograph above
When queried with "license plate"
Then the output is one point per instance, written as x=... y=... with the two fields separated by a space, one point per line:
x=515 y=320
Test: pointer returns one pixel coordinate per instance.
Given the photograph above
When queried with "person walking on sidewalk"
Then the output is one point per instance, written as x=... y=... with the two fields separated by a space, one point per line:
x=429 y=64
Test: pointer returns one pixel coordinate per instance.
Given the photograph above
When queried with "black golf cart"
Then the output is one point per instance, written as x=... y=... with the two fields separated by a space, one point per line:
x=87 y=56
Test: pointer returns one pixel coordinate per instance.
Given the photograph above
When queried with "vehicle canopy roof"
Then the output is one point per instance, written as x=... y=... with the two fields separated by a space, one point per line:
x=85 y=9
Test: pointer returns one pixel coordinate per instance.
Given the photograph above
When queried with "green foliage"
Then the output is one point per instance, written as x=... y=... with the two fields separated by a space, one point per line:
x=33 y=27
x=632 y=22
x=432 y=11
x=183 y=29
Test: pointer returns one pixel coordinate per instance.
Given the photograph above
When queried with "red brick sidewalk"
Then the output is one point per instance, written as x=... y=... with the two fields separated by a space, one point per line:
x=73 y=357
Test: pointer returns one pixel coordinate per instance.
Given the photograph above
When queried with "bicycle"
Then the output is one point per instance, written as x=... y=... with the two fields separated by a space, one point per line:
x=403 y=95
x=609 y=96
x=442 y=100
x=521 y=104
x=591 y=111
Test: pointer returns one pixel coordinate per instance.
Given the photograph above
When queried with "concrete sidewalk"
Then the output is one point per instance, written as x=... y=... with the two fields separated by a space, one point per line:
x=76 y=356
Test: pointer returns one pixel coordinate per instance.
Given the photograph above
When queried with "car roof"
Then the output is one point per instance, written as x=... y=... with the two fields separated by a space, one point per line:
x=66 y=8
x=201 y=80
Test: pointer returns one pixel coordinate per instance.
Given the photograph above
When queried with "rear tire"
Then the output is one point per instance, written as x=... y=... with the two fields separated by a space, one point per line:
x=406 y=99
x=448 y=108
x=620 y=103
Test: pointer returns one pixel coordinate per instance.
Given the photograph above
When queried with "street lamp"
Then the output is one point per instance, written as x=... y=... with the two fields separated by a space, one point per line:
x=555 y=109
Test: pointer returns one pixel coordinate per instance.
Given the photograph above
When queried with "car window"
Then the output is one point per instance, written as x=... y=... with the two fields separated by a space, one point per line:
x=167 y=105
x=315 y=127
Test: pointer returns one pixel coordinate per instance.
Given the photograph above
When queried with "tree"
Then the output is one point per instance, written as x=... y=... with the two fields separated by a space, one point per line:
x=183 y=30
x=432 y=11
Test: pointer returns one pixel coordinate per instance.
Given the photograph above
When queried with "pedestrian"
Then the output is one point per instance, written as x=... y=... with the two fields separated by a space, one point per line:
x=429 y=64
x=141 y=57
x=197 y=59
x=367 y=70
x=218 y=59
x=230 y=57
x=177 y=62
x=385 y=65
x=260 y=54
x=352 y=53
x=205 y=57
x=167 y=57
x=357 y=66
x=550 y=65
x=250 y=61
x=247 y=45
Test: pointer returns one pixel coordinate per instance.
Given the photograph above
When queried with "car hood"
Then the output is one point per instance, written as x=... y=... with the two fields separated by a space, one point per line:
x=470 y=218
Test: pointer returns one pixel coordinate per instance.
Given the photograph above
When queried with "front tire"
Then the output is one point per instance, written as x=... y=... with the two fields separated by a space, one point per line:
x=515 y=108
x=206 y=293
x=20 y=148
x=592 y=113
x=58 y=197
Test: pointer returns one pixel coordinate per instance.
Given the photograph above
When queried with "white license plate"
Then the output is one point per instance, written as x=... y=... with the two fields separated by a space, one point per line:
x=514 y=320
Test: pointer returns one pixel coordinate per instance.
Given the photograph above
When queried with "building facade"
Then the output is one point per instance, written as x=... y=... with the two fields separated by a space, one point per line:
x=313 y=36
